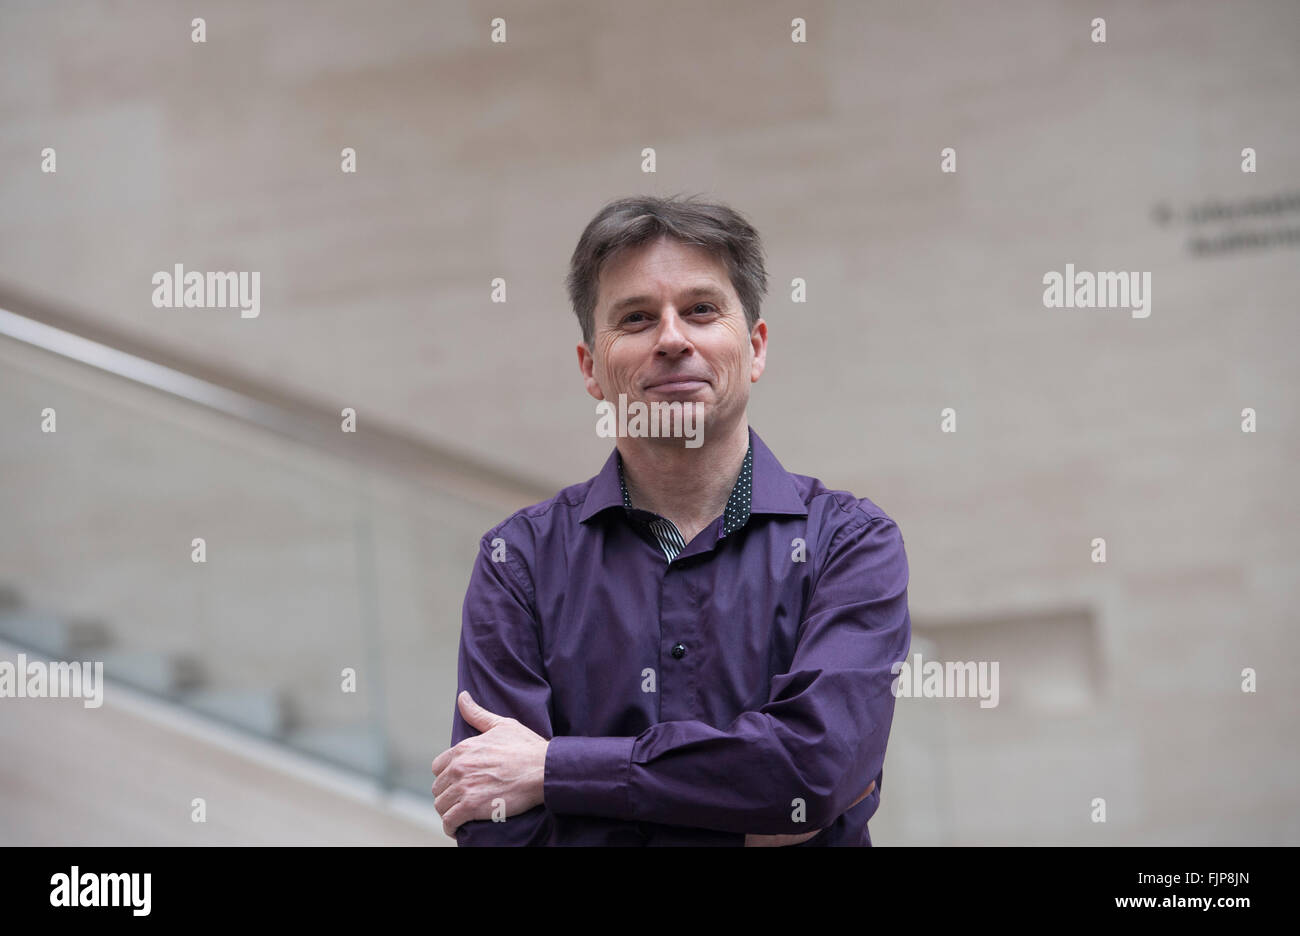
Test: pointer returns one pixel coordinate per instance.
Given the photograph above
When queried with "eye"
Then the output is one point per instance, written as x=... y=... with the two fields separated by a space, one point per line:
x=702 y=305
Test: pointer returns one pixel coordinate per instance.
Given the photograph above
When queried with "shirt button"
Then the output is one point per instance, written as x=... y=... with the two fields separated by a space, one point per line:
x=679 y=651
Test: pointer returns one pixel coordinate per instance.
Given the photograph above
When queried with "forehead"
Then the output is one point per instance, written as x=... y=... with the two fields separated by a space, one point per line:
x=662 y=266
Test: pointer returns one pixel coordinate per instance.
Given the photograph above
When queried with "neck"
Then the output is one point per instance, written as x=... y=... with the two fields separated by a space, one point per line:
x=689 y=486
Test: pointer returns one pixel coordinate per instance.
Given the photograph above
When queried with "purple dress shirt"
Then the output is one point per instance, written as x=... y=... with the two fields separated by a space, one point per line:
x=742 y=687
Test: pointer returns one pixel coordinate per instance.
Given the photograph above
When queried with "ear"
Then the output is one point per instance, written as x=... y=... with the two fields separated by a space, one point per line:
x=758 y=342
x=587 y=364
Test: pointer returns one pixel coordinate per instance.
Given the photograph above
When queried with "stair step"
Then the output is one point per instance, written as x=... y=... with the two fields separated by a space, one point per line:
x=54 y=636
x=260 y=711
x=358 y=748
x=163 y=674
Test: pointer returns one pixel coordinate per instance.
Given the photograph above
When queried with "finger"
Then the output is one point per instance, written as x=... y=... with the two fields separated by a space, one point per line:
x=440 y=762
x=454 y=818
x=865 y=793
x=450 y=794
x=473 y=713
x=779 y=840
x=442 y=781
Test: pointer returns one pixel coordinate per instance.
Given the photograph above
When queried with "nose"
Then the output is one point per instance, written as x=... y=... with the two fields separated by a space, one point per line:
x=672 y=336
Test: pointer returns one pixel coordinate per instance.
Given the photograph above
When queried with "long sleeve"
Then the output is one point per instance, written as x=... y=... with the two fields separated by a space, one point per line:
x=499 y=663
x=819 y=739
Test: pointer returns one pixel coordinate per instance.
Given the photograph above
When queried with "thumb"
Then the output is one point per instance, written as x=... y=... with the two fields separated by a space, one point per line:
x=476 y=715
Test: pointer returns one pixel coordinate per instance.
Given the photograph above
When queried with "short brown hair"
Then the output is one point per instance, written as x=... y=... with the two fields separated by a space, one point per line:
x=631 y=222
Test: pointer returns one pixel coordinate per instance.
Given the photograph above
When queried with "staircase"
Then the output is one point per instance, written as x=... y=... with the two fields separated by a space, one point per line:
x=267 y=711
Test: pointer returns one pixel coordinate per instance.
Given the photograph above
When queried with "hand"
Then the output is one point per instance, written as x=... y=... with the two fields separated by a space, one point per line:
x=769 y=841
x=507 y=761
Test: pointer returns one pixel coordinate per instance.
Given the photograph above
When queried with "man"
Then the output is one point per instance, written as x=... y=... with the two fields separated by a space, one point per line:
x=694 y=647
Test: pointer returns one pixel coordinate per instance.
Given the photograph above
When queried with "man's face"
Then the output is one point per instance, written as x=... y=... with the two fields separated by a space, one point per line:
x=668 y=310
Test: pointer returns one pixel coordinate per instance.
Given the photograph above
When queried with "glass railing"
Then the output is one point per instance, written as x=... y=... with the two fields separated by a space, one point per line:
x=325 y=611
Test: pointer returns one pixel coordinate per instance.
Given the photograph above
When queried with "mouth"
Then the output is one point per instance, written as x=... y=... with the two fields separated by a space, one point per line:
x=682 y=385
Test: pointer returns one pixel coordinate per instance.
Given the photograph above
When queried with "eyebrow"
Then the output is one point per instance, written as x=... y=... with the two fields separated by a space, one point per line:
x=711 y=292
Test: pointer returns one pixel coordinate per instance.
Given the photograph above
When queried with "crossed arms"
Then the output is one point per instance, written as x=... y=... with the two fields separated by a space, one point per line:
x=505 y=765
x=820 y=734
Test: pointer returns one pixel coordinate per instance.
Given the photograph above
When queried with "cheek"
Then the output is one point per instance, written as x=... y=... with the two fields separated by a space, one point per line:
x=602 y=368
x=735 y=368
x=615 y=370
x=613 y=375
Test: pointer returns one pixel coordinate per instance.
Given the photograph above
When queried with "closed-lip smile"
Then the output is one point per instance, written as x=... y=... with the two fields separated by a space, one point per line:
x=677 y=382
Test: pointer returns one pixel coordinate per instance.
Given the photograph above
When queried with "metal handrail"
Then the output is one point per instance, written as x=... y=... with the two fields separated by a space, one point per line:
x=37 y=324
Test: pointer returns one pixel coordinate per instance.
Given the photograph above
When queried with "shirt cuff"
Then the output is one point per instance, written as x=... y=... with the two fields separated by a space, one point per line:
x=588 y=776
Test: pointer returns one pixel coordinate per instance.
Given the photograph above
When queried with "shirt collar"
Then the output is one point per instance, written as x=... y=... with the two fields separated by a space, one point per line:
x=772 y=490
x=736 y=514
